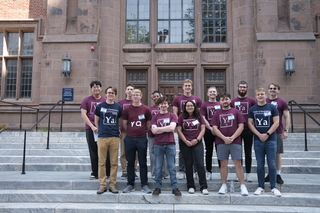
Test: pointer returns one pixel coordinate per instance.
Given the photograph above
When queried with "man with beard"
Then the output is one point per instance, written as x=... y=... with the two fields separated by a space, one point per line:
x=243 y=103
x=227 y=124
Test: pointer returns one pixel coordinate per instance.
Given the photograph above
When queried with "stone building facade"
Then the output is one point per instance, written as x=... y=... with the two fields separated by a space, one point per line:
x=155 y=45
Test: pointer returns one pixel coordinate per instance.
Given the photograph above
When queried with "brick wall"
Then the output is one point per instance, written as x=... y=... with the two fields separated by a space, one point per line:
x=22 y=9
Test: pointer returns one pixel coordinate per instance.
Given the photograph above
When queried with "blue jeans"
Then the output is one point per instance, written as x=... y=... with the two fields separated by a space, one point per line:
x=194 y=154
x=262 y=149
x=133 y=145
x=170 y=152
x=152 y=159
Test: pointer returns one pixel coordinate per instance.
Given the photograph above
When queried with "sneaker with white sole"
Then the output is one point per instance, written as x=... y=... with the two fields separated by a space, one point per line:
x=205 y=191
x=276 y=192
x=244 y=191
x=223 y=190
x=180 y=175
x=129 y=188
x=146 y=189
x=248 y=177
x=259 y=191
x=208 y=176
x=191 y=191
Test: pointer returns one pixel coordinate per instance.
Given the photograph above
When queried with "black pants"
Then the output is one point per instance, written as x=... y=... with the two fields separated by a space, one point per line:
x=247 y=137
x=93 y=151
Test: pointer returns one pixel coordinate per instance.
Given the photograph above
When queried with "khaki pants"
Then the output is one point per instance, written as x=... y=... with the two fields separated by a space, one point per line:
x=111 y=143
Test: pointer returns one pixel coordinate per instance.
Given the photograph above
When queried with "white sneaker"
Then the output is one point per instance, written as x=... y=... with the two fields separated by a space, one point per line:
x=195 y=175
x=223 y=190
x=191 y=191
x=180 y=176
x=276 y=192
x=248 y=177
x=244 y=191
x=205 y=191
x=259 y=191
x=208 y=176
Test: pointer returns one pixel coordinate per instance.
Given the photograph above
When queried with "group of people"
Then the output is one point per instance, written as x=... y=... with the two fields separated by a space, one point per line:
x=221 y=120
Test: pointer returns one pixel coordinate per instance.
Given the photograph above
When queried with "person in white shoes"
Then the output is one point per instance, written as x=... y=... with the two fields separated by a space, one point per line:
x=227 y=125
x=263 y=122
x=243 y=103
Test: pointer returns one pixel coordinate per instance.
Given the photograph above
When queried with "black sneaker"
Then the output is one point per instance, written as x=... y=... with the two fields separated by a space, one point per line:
x=279 y=179
x=267 y=179
x=156 y=191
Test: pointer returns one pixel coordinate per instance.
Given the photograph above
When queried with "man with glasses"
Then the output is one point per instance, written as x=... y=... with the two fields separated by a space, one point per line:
x=136 y=120
x=282 y=131
x=107 y=116
x=243 y=103
x=177 y=108
x=88 y=107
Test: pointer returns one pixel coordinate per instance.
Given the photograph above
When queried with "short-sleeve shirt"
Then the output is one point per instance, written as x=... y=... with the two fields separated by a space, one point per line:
x=137 y=118
x=208 y=109
x=161 y=120
x=263 y=118
x=243 y=105
x=154 y=111
x=191 y=127
x=227 y=121
x=282 y=106
x=109 y=115
x=124 y=104
x=89 y=104
x=180 y=100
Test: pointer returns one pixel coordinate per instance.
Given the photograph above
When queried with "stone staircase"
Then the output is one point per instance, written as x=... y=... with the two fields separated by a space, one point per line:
x=56 y=180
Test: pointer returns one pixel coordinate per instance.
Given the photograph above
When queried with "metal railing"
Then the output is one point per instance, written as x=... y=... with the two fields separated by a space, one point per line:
x=305 y=113
x=48 y=113
x=21 y=107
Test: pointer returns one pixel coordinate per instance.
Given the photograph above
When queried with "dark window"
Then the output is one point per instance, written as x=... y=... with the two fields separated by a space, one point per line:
x=214 y=21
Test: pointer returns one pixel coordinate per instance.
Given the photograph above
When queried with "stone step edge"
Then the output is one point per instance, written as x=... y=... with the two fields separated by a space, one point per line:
x=172 y=208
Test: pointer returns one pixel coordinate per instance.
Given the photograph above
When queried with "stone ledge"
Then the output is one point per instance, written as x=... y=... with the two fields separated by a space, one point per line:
x=84 y=38
x=302 y=36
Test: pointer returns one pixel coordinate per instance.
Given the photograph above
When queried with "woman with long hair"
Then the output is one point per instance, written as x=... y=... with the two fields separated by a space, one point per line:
x=191 y=128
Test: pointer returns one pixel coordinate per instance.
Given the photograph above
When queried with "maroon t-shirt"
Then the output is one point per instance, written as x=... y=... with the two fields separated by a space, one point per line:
x=281 y=105
x=227 y=122
x=161 y=120
x=124 y=103
x=89 y=104
x=154 y=111
x=243 y=105
x=191 y=127
x=137 y=118
x=207 y=110
x=180 y=100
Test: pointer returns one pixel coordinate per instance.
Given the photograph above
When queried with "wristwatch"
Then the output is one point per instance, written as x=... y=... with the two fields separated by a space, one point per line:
x=268 y=133
x=198 y=140
x=286 y=130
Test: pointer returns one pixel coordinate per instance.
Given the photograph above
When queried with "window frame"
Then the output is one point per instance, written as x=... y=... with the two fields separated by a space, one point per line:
x=19 y=57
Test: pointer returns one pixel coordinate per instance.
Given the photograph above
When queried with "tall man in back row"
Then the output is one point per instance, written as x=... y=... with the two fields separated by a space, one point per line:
x=243 y=103
x=282 y=131
x=177 y=108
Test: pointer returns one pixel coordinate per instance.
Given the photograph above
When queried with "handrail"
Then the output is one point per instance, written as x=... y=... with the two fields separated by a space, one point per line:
x=36 y=124
x=305 y=122
x=21 y=112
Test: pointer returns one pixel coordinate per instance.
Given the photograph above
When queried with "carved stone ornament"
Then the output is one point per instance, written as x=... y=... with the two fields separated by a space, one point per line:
x=216 y=57
x=176 y=57
x=137 y=57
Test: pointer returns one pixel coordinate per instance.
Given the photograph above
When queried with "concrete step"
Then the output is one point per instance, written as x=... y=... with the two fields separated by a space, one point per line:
x=166 y=197
x=295 y=169
x=146 y=208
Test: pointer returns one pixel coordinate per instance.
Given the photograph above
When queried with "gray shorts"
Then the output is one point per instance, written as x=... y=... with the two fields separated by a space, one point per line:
x=223 y=151
x=279 y=144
